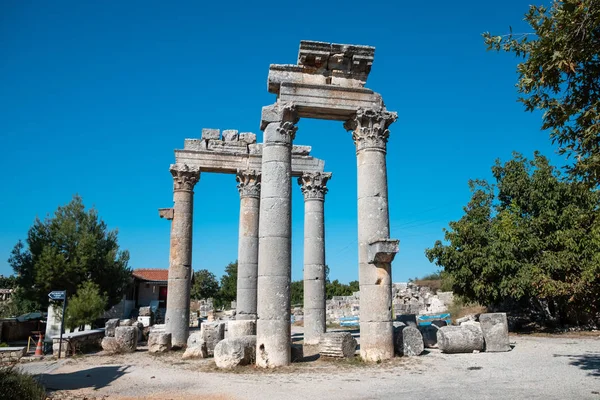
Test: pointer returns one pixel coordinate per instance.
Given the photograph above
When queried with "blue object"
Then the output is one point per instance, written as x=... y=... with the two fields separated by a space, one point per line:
x=424 y=320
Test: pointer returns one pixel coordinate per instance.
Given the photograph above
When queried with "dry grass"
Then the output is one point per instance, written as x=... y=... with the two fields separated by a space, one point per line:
x=458 y=310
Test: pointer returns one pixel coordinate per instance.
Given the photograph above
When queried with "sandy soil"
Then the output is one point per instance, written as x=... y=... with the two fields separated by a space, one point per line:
x=536 y=368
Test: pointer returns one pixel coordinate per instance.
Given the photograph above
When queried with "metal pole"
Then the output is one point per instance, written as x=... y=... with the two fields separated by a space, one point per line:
x=62 y=322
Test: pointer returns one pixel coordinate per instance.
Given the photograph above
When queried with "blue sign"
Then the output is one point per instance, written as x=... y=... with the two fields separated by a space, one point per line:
x=57 y=295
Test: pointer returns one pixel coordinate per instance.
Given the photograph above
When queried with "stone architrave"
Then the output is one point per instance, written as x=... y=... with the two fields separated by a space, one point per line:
x=370 y=134
x=274 y=255
x=177 y=318
x=314 y=188
x=249 y=188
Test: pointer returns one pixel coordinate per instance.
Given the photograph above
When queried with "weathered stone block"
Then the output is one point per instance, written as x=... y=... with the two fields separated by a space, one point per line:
x=230 y=353
x=211 y=134
x=230 y=135
x=495 y=332
x=212 y=333
x=110 y=326
x=255 y=149
x=159 y=342
x=127 y=338
x=408 y=341
x=195 y=144
x=240 y=328
x=198 y=351
x=110 y=344
x=301 y=150
x=460 y=339
x=247 y=137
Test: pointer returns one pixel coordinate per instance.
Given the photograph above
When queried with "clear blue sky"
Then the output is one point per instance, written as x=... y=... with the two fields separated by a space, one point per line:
x=94 y=97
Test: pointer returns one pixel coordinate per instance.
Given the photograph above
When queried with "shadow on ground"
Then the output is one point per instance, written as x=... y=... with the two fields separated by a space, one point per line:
x=588 y=362
x=95 y=378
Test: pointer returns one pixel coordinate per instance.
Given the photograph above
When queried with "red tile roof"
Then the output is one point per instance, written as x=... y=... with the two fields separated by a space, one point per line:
x=151 y=274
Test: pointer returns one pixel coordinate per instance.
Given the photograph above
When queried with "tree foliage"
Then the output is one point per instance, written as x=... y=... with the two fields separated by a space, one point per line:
x=228 y=291
x=205 y=285
x=533 y=238
x=560 y=75
x=72 y=247
x=85 y=306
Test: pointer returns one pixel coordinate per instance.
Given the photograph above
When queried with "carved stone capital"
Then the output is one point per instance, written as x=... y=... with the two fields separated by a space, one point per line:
x=284 y=117
x=248 y=183
x=184 y=177
x=370 y=128
x=314 y=184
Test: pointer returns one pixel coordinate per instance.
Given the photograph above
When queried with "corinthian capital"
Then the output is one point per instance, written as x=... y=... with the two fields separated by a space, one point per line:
x=279 y=122
x=370 y=128
x=184 y=177
x=314 y=184
x=248 y=183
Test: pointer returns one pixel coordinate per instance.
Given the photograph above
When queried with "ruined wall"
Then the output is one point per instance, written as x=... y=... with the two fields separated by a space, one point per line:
x=408 y=298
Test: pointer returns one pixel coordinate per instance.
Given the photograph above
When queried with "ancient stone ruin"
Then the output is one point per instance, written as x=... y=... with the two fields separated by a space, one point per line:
x=328 y=82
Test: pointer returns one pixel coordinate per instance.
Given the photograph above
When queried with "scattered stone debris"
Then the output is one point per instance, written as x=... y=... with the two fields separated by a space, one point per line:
x=230 y=353
x=338 y=345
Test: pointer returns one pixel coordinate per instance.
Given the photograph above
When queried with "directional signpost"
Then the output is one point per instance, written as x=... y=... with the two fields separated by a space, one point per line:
x=60 y=295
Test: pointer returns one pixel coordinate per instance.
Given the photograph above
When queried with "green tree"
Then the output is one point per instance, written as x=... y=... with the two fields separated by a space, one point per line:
x=228 y=291
x=205 y=285
x=532 y=238
x=560 y=76
x=85 y=306
x=297 y=292
x=72 y=247
x=8 y=282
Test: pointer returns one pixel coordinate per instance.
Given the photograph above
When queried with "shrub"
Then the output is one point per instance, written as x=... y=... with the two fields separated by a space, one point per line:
x=16 y=385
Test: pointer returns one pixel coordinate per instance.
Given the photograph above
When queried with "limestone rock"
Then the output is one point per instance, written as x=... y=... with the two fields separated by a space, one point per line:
x=159 y=342
x=247 y=137
x=127 y=338
x=230 y=135
x=337 y=344
x=408 y=341
x=495 y=331
x=110 y=345
x=194 y=339
x=211 y=134
x=110 y=326
x=460 y=339
x=212 y=333
x=301 y=150
x=198 y=351
x=126 y=322
x=241 y=328
x=230 y=353
x=466 y=318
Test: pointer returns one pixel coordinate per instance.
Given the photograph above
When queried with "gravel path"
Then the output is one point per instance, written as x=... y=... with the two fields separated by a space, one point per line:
x=537 y=368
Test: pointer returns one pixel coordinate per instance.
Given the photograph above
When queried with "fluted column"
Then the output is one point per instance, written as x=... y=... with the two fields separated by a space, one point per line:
x=314 y=188
x=370 y=134
x=177 y=318
x=249 y=188
x=274 y=249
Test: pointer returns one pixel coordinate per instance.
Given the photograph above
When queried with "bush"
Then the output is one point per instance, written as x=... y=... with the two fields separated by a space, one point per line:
x=87 y=305
x=16 y=385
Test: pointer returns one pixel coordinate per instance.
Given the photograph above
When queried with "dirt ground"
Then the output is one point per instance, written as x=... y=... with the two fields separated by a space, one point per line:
x=536 y=368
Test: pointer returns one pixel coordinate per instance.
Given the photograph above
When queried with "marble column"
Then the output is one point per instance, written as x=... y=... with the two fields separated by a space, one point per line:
x=314 y=188
x=370 y=134
x=273 y=334
x=177 y=318
x=249 y=188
